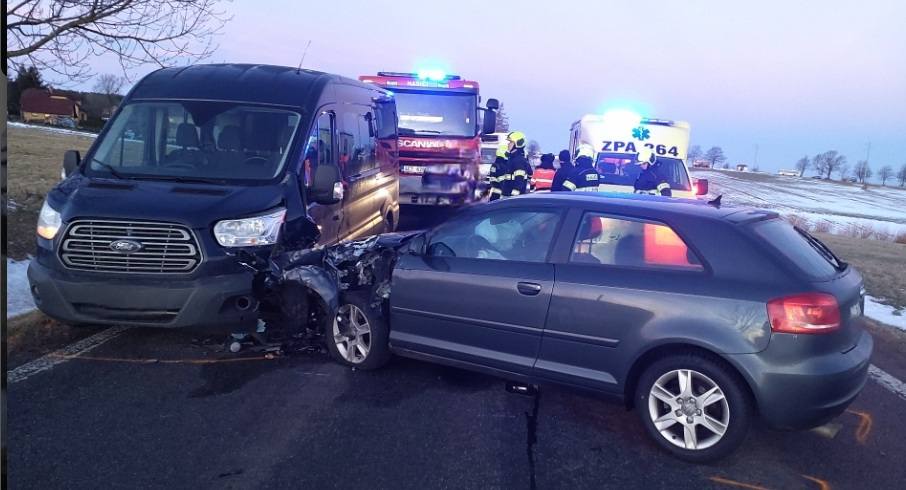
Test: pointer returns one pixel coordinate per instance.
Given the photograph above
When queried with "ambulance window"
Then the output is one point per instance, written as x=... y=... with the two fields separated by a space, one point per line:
x=607 y=240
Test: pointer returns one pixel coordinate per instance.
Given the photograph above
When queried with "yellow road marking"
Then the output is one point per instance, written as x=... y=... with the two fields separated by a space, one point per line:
x=865 y=423
x=159 y=361
x=734 y=483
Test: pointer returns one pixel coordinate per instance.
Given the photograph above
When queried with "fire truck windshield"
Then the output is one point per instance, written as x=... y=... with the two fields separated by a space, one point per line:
x=437 y=113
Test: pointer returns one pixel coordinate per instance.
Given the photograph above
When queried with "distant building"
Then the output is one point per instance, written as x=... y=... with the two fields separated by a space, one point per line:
x=788 y=173
x=45 y=106
x=742 y=167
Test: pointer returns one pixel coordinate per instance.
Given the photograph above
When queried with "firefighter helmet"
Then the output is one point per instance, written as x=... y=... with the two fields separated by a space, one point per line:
x=501 y=150
x=645 y=156
x=517 y=138
x=585 y=150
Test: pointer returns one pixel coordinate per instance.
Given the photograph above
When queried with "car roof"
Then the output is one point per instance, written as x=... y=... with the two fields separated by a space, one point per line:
x=262 y=84
x=645 y=205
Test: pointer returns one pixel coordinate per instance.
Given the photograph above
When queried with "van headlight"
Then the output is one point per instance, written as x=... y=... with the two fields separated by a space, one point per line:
x=250 y=232
x=49 y=222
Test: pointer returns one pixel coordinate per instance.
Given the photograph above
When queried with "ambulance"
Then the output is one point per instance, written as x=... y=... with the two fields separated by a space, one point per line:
x=617 y=137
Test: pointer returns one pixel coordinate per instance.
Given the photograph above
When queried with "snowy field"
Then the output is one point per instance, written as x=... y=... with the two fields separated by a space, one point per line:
x=51 y=129
x=18 y=298
x=829 y=206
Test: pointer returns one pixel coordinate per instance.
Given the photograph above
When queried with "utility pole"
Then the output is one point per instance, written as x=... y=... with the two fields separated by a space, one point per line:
x=867 y=151
x=755 y=161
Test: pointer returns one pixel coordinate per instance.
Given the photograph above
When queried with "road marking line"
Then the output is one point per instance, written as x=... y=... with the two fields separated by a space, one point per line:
x=892 y=384
x=44 y=363
x=734 y=483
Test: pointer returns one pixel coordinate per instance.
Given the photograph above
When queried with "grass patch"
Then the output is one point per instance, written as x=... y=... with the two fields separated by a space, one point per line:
x=882 y=264
x=35 y=158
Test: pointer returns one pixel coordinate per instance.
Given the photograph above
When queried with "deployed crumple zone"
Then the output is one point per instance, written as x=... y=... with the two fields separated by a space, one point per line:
x=300 y=291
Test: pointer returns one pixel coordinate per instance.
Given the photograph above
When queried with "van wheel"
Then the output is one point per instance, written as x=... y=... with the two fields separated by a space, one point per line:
x=358 y=336
x=388 y=226
x=694 y=407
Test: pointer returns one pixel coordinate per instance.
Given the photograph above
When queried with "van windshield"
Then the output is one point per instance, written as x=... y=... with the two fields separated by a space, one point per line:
x=620 y=169
x=195 y=141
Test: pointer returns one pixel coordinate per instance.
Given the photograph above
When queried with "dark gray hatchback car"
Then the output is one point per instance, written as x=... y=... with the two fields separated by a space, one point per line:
x=699 y=316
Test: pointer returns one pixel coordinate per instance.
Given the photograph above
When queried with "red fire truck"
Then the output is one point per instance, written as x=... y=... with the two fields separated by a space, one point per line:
x=440 y=123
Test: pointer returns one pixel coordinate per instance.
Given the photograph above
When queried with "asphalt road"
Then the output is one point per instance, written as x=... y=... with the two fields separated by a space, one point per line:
x=156 y=408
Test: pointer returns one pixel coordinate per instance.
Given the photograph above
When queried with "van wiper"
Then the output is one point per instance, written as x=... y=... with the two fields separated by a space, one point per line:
x=176 y=178
x=109 y=168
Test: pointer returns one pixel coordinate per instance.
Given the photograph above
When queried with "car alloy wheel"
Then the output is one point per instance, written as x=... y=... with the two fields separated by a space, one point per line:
x=352 y=334
x=689 y=409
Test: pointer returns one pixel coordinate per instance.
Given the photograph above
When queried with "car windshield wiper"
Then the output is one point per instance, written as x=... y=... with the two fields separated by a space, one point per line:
x=109 y=168
x=822 y=249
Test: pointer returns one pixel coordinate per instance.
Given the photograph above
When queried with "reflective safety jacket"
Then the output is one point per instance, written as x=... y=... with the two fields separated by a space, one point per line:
x=543 y=178
x=650 y=181
x=520 y=173
x=498 y=176
x=583 y=178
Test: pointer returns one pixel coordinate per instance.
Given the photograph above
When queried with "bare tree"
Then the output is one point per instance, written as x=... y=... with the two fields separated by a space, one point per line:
x=802 y=165
x=715 y=156
x=533 y=148
x=901 y=175
x=59 y=35
x=843 y=171
x=862 y=171
x=828 y=162
x=109 y=85
x=693 y=154
x=503 y=120
x=885 y=174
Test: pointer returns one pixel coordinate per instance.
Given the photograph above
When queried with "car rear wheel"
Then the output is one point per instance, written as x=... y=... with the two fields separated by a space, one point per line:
x=358 y=335
x=694 y=407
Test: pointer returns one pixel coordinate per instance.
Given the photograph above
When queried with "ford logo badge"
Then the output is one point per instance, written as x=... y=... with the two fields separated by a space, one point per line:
x=125 y=246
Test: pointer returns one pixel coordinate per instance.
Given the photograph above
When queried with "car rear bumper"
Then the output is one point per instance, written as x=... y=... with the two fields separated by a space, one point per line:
x=211 y=302
x=808 y=393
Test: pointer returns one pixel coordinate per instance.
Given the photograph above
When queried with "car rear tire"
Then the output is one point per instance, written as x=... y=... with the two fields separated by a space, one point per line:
x=693 y=406
x=358 y=336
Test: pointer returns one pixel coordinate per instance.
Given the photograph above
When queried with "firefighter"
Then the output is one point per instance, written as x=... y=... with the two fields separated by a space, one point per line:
x=519 y=168
x=544 y=173
x=649 y=180
x=499 y=174
x=566 y=168
x=584 y=177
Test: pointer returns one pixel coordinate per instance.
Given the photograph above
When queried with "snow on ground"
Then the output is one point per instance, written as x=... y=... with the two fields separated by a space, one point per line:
x=52 y=129
x=18 y=297
x=885 y=313
x=839 y=205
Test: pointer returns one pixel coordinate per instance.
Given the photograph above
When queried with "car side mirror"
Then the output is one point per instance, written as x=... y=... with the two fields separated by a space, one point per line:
x=71 y=161
x=417 y=245
x=327 y=186
x=489 y=122
x=493 y=104
x=701 y=187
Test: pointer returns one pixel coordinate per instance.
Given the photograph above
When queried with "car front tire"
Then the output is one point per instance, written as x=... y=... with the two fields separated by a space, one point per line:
x=694 y=407
x=358 y=336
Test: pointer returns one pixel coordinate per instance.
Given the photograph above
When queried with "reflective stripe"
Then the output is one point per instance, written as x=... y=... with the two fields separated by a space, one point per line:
x=543 y=181
x=515 y=192
x=519 y=173
x=662 y=186
x=569 y=185
x=495 y=190
x=493 y=179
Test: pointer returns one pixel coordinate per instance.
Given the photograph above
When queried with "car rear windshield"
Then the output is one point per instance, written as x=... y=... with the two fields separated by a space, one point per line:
x=808 y=253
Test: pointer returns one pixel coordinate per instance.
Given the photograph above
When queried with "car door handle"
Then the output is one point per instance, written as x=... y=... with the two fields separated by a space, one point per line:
x=528 y=288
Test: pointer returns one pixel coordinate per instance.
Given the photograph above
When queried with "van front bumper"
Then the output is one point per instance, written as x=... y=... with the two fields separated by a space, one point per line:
x=212 y=302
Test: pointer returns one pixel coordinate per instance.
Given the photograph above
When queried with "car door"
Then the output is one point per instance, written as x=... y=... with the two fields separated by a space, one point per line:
x=615 y=275
x=321 y=150
x=480 y=291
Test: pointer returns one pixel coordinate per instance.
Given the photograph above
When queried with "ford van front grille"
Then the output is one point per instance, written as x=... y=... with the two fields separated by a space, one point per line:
x=129 y=246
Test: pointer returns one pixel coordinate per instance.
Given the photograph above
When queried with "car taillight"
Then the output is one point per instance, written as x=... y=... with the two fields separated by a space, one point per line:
x=805 y=313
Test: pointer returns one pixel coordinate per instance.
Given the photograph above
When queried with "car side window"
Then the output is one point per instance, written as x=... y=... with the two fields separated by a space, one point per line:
x=517 y=235
x=608 y=240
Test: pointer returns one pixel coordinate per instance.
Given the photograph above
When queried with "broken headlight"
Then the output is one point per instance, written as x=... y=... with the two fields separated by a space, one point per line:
x=250 y=232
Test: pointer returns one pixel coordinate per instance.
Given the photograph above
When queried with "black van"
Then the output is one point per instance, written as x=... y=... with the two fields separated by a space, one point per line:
x=201 y=162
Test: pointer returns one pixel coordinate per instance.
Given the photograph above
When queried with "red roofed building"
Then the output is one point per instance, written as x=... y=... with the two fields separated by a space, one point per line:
x=44 y=106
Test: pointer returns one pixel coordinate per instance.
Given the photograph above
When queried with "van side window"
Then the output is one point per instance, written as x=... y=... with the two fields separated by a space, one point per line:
x=612 y=241
x=357 y=147
x=320 y=145
x=385 y=119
